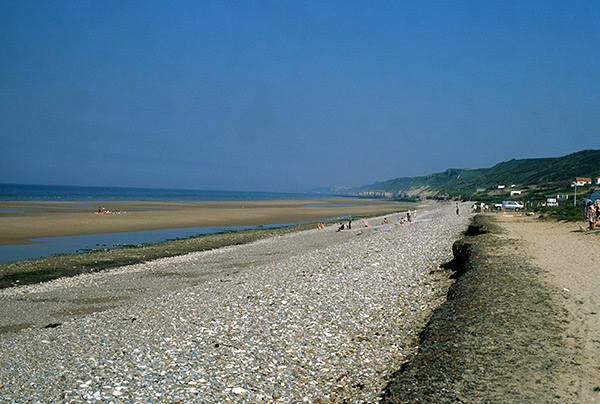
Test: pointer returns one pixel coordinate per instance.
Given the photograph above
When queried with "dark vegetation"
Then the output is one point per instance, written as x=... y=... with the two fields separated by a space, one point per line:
x=567 y=213
x=537 y=179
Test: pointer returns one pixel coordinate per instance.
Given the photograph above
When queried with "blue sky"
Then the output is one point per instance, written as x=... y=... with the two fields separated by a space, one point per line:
x=290 y=95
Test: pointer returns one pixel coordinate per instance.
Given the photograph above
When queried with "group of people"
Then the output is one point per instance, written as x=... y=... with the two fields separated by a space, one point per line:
x=344 y=226
x=102 y=211
x=409 y=217
x=482 y=207
x=592 y=214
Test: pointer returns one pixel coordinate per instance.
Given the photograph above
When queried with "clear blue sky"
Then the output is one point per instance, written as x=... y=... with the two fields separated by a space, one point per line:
x=290 y=95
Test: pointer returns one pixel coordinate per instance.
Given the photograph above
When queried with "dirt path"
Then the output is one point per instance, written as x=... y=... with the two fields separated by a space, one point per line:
x=572 y=259
x=521 y=324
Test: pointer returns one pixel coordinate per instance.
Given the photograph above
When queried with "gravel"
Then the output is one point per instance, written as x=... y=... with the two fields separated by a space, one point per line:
x=316 y=316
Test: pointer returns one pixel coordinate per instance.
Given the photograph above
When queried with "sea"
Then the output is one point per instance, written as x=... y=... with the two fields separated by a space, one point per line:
x=45 y=247
x=23 y=192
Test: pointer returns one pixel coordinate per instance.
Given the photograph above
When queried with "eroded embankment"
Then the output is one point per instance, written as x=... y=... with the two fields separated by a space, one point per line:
x=498 y=338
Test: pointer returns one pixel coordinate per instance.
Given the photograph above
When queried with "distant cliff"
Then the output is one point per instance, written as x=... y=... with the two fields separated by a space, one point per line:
x=535 y=178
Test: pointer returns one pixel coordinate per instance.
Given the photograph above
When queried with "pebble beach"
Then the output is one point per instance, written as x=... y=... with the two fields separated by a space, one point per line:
x=315 y=316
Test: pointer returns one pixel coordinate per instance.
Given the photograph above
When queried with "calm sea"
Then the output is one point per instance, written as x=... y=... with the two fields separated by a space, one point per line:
x=72 y=244
x=21 y=192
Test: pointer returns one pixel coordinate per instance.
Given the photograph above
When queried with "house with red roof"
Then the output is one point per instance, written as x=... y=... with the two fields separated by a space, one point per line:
x=581 y=181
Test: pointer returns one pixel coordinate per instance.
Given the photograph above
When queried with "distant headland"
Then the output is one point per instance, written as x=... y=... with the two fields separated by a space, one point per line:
x=532 y=179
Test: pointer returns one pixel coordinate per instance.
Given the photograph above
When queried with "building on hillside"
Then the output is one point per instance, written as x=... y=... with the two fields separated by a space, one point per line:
x=581 y=181
x=377 y=194
x=513 y=193
x=597 y=180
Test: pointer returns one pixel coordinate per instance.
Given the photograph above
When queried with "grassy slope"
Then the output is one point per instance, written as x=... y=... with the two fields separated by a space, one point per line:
x=551 y=174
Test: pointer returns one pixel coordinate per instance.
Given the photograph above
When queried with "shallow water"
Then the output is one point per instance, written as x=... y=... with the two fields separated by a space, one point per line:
x=46 y=247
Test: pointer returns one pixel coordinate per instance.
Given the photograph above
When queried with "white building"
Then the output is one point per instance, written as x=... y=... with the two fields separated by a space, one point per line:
x=580 y=181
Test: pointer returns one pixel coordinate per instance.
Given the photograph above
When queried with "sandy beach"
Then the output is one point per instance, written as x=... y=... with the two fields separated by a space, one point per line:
x=29 y=220
x=520 y=324
x=572 y=262
x=46 y=219
x=310 y=316
x=324 y=316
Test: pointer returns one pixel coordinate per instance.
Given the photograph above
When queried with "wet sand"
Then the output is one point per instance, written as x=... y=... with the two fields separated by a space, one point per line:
x=26 y=220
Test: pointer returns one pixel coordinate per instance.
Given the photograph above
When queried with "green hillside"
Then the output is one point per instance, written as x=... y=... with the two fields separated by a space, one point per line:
x=536 y=178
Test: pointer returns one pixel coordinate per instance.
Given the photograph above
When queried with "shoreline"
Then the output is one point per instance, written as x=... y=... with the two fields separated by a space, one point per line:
x=315 y=315
x=61 y=265
x=44 y=269
x=28 y=220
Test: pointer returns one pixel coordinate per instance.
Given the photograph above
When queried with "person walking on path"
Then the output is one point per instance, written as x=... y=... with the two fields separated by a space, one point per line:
x=457 y=212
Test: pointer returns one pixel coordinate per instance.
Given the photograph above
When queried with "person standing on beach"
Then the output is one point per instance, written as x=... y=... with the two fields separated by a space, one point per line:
x=457 y=212
x=591 y=214
x=349 y=222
